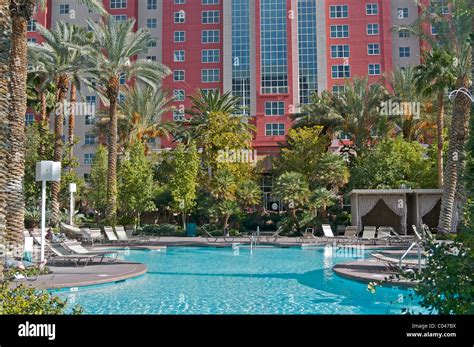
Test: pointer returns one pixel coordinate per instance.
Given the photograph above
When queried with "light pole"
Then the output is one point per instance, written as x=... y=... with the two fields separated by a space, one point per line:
x=72 y=190
x=46 y=171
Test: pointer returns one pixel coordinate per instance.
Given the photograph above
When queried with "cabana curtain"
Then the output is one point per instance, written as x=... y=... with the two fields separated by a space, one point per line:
x=366 y=204
x=425 y=204
x=396 y=203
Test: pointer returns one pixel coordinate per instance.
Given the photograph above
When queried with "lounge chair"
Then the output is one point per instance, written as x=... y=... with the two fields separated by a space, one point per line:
x=70 y=231
x=276 y=235
x=209 y=237
x=349 y=233
x=308 y=235
x=91 y=235
x=122 y=236
x=111 y=236
x=77 y=248
x=369 y=234
x=61 y=253
x=427 y=232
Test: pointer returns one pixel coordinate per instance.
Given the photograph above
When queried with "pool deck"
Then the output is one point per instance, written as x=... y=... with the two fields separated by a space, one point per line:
x=69 y=276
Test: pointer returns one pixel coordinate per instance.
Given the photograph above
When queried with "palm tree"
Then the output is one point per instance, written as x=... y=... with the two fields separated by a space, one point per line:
x=62 y=63
x=5 y=31
x=434 y=78
x=21 y=11
x=413 y=127
x=142 y=111
x=111 y=56
x=223 y=189
x=293 y=190
x=249 y=194
x=203 y=105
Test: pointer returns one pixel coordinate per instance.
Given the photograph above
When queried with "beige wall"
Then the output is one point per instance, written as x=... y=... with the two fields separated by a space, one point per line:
x=412 y=42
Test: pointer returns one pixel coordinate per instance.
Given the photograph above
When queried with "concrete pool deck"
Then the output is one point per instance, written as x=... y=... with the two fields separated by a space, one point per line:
x=70 y=276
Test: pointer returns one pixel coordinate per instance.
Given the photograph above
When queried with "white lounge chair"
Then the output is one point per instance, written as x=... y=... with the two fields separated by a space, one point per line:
x=369 y=234
x=276 y=235
x=77 y=248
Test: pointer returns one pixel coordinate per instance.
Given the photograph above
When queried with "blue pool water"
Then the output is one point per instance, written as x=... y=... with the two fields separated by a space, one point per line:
x=193 y=280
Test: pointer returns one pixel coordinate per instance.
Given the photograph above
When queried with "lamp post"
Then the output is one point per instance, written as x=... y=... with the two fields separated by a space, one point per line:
x=72 y=190
x=46 y=171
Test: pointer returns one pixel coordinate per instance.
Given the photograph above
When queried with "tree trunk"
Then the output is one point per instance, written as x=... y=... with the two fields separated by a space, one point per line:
x=184 y=220
x=43 y=126
x=5 y=32
x=440 y=132
x=63 y=84
x=456 y=156
x=20 y=13
x=71 y=123
x=112 y=94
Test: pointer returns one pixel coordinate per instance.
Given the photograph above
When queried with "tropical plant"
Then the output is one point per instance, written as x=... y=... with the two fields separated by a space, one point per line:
x=249 y=194
x=97 y=193
x=393 y=163
x=63 y=65
x=413 y=126
x=142 y=111
x=453 y=32
x=435 y=77
x=5 y=32
x=293 y=190
x=136 y=185
x=112 y=56
x=183 y=179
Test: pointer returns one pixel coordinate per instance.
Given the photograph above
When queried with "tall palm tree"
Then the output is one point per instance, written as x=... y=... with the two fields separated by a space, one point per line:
x=435 y=77
x=21 y=11
x=453 y=33
x=142 y=111
x=5 y=31
x=413 y=127
x=112 y=55
x=63 y=63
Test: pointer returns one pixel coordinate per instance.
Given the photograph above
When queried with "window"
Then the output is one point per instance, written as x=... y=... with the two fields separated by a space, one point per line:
x=91 y=100
x=151 y=57
x=31 y=40
x=64 y=9
x=87 y=177
x=403 y=33
x=29 y=118
x=179 y=36
x=31 y=26
x=402 y=12
x=210 y=36
x=114 y=4
x=208 y=91
x=179 y=2
x=434 y=31
x=178 y=75
x=179 y=94
x=123 y=78
x=340 y=51
x=210 y=75
x=121 y=97
x=374 y=69
x=152 y=43
x=120 y=17
x=338 y=89
x=372 y=29
x=439 y=6
x=151 y=23
x=210 y=17
x=404 y=52
x=90 y=120
x=178 y=115
x=178 y=56
x=339 y=11
x=210 y=2
x=180 y=17
x=210 y=56
x=90 y=139
x=88 y=158
x=275 y=129
x=340 y=71
x=371 y=9
x=151 y=4
x=373 y=49
x=274 y=108
x=339 y=31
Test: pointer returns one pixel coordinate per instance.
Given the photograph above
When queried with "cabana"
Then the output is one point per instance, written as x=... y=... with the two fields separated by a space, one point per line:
x=398 y=208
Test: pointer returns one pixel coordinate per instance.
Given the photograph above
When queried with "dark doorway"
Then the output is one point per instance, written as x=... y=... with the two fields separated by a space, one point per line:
x=431 y=219
x=382 y=215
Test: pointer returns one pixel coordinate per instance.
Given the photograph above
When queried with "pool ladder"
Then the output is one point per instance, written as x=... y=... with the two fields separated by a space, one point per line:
x=254 y=238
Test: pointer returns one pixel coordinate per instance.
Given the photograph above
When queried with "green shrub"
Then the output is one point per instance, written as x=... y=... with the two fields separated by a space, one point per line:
x=162 y=230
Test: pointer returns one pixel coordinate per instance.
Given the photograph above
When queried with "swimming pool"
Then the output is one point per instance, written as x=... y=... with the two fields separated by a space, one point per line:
x=203 y=280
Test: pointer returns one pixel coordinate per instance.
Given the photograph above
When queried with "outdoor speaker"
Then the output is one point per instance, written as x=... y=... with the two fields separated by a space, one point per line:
x=48 y=171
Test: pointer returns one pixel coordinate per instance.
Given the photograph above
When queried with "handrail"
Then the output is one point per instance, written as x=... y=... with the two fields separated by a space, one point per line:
x=400 y=262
